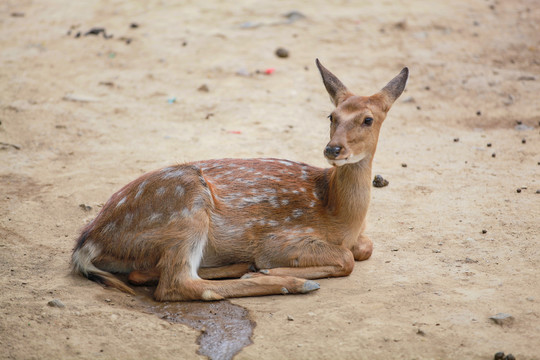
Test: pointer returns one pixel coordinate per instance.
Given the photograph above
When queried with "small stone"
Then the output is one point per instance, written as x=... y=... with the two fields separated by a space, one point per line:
x=85 y=207
x=56 y=303
x=379 y=181
x=436 y=251
x=420 y=332
x=538 y=191
x=519 y=122
x=488 y=144
x=498 y=356
x=403 y=165
x=290 y=318
x=502 y=319
x=282 y=52
x=509 y=357
x=108 y=300
x=456 y=139
x=478 y=113
x=518 y=190
x=523 y=141
x=203 y=88
x=484 y=231
x=133 y=25
x=493 y=155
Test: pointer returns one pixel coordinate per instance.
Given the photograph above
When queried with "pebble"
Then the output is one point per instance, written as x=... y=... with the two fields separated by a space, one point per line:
x=509 y=357
x=488 y=144
x=523 y=141
x=484 y=231
x=56 y=303
x=282 y=52
x=498 y=356
x=290 y=318
x=493 y=155
x=379 y=181
x=502 y=319
x=456 y=139
x=85 y=207
x=518 y=190
x=403 y=165
x=203 y=88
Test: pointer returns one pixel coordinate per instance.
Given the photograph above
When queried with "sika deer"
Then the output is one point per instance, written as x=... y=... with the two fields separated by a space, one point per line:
x=274 y=224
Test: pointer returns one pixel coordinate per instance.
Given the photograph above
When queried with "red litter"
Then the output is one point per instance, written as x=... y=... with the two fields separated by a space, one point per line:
x=269 y=71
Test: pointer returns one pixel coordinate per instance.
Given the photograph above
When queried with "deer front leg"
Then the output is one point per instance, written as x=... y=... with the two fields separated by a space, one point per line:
x=307 y=258
x=363 y=248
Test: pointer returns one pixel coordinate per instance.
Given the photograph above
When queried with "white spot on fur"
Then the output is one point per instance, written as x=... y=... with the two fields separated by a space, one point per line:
x=108 y=228
x=121 y=202
x=173 y=173
x=312 y=204
x=309 y=230
x=284 y=202
x=154 y=217
x=302 y=189
x=273 y=223
x=160 y=191
x=315 y=195
x=128 y=218
x=179 y=190
x=274 y=202
x=141 y=189
x=297 y=213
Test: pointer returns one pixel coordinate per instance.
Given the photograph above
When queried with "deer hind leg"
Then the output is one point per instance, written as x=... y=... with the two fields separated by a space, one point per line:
x=305 y=258
x=151 y=276
x=179 y=279
x=226 y=272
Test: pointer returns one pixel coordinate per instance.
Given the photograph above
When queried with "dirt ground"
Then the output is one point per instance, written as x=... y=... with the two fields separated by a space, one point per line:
x=455 y=242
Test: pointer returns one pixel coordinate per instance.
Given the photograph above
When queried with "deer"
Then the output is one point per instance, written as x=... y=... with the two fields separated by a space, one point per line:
x=226 y=228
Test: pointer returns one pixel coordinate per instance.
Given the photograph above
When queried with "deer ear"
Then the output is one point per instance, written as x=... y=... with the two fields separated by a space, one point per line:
x=337 y=91
x=395 y=87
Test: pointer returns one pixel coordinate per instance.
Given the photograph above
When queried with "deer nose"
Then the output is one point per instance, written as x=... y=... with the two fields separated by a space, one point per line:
x=331 y=152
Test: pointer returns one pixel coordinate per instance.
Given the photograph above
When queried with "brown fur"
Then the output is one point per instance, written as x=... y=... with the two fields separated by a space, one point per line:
x=184 y=225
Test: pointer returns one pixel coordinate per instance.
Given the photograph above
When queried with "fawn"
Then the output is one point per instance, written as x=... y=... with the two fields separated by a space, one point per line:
x=268 y=226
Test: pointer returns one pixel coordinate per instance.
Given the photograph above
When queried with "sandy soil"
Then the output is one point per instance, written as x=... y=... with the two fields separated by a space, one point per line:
x=82 y=116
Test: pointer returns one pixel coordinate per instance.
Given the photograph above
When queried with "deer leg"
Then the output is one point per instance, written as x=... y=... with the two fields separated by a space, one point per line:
x=151 y=276
x=179 y=278
x=226 y=272
x=309 y=259
x=144 y=277
x=363 y=248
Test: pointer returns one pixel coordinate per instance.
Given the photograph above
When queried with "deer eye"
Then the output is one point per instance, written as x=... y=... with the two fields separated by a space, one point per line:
x=332 y=119
x=368 y=121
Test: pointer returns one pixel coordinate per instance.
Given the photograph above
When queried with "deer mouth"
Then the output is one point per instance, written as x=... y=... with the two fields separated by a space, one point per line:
x=351 y=159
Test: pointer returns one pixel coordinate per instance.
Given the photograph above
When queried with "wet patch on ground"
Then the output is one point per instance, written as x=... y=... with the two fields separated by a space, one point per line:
x=225 y=328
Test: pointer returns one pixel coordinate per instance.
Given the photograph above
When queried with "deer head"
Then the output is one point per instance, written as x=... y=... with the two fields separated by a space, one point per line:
x=356 y=121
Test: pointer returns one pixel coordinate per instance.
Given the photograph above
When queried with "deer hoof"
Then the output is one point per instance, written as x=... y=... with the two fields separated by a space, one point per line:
x=310 y=286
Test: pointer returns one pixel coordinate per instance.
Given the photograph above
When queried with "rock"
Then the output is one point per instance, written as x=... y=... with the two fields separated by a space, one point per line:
x=456 y=139
x=498 y=356
x=290 y=318
x=282 y=52
x=502 y=319
x=403 y=165
x=85 y=207
x=56 y=303
x=203 y=88
x=509 y=357
x=379 y=181
x=420 y=332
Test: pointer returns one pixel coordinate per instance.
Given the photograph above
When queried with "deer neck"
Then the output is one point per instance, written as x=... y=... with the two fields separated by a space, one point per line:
x=349 y=192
